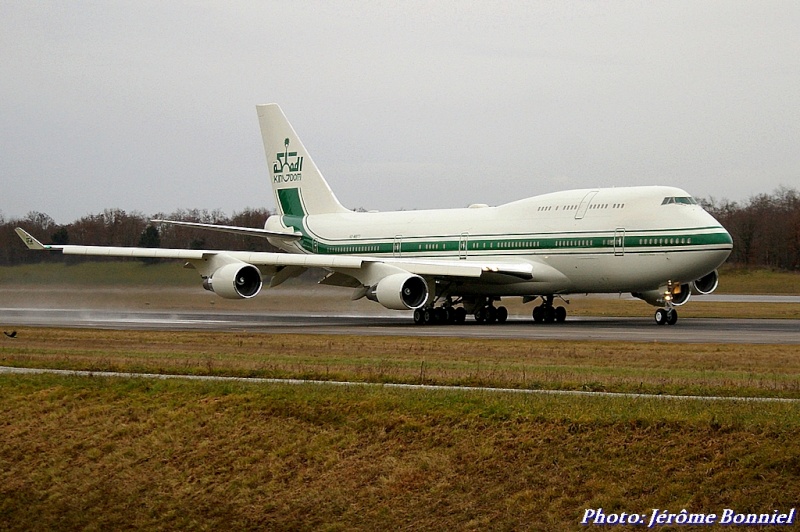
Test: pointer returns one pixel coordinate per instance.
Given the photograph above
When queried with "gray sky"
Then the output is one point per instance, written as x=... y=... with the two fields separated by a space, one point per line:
x=150 y=106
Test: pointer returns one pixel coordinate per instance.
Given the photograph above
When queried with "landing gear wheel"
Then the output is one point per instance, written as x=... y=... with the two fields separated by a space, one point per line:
x=547 y=313
x=428 y=317
x=419 y=316
x=480 y=315
x=460 y=315
x=672 y=316
x=502 y=314
x=661 y=316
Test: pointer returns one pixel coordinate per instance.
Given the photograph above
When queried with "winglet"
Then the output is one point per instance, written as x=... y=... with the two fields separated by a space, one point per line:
x=29 y=240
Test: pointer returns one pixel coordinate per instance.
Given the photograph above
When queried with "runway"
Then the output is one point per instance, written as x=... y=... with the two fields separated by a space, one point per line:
x=688 y=330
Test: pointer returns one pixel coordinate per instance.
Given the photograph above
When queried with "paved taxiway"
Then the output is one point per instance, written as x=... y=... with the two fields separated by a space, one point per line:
x=688 y=330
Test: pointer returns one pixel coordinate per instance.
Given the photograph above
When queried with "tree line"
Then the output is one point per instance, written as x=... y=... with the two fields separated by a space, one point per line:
x=115 y=227
x=765 y=231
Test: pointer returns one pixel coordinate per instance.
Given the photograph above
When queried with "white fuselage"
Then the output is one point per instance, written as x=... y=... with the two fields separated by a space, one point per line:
x=599 y=240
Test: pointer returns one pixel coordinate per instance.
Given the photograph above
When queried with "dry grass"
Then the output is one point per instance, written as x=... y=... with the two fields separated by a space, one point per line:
x=758 y=281
x=101 y=453
x=89 y=453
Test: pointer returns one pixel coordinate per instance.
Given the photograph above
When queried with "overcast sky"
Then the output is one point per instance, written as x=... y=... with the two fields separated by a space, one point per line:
x=150 y=106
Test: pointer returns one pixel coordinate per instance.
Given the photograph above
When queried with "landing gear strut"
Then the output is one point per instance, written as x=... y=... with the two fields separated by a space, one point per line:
x=666 y=316
x=547 y=313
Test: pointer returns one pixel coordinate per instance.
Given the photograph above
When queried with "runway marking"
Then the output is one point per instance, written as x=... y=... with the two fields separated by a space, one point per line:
x=259 y=380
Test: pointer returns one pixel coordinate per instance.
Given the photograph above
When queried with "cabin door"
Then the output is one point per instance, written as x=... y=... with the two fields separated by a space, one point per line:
x=619 y=241
x=463 y=243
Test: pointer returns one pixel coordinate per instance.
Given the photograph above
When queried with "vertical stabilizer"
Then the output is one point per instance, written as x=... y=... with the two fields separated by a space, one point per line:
x=297 y=183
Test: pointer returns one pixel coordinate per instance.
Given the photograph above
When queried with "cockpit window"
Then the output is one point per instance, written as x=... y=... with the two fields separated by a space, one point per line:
x=680 y=200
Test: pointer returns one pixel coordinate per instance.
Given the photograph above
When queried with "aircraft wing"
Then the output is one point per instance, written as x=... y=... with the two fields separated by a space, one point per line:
x=364 y=269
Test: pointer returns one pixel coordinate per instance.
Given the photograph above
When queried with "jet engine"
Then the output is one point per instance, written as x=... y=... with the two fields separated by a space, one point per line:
x=400 y=291
x=706 y=284
x=235 y=281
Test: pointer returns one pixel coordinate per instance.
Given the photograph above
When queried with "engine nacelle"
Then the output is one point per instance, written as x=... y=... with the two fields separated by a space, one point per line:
x=235 y=281
x=658 y=298
x=400 y=291
x=706 y=284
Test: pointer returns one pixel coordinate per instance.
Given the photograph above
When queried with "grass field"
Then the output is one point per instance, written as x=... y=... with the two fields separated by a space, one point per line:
x=103 y=453
x=98 y=454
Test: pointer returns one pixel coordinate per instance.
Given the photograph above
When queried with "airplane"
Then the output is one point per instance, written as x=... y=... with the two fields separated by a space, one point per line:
x=655 y=242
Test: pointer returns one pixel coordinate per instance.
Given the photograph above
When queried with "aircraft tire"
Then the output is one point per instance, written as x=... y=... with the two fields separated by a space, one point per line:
x=672 y=316
x=502 y=314
x=419 y=317
x=460 y=315
x=561 y=314
x=661 y=316
x=448 y=314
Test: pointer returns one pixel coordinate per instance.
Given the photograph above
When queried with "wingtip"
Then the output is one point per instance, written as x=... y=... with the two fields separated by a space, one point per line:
x=29 y=239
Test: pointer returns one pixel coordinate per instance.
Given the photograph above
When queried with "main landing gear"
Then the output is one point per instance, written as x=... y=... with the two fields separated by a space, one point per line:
x=666 y=316
x=448 y=314
x=491 y=314
x=547 y=313
x=444 y=315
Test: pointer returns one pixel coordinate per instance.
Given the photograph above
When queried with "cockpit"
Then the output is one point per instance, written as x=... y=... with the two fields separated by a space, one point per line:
x=670 y=200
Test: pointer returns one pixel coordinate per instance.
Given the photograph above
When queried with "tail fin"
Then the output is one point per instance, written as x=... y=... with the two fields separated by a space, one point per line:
x=297 y=183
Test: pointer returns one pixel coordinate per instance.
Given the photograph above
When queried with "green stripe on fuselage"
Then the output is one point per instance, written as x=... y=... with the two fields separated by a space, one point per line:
x=590 y=243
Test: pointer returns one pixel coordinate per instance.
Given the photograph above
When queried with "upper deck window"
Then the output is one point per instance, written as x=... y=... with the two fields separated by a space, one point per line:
x=679 y=200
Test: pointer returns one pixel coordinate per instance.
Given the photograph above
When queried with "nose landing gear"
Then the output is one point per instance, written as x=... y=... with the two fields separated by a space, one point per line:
x=668 y=315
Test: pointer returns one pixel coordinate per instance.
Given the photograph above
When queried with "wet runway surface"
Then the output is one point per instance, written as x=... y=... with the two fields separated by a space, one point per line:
x=688 y=330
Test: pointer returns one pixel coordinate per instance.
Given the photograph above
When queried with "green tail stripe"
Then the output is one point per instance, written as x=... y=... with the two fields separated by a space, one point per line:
x=290 y=202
